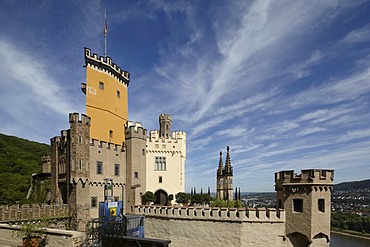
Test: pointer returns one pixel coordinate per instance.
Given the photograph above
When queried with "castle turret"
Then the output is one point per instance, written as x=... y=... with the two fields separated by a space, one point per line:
x=135 y=164
x=165 y=125
x=306 y=199
x=78 y=147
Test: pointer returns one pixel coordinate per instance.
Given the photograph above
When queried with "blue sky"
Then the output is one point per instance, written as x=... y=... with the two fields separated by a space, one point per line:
x=286 y=84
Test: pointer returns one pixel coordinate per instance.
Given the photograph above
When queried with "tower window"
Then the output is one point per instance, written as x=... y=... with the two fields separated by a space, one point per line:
x=143 y=152
x=101 y=85
x=136 y=175
x=110 y=133
x=321 y=205
x=160 y=179
x=94 y=202
x=118 y=94
x=160 y=163
x=116 y=169
x=99 y=167
x=298 y=205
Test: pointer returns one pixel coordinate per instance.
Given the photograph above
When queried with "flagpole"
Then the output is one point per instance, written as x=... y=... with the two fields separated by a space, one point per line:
x=105 y=32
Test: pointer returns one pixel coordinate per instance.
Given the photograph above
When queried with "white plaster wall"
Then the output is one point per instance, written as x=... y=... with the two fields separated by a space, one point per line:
x=174 y=149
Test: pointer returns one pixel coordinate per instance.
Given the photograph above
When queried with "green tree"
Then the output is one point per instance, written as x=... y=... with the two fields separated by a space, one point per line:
x=182 y=198
x=148 y=197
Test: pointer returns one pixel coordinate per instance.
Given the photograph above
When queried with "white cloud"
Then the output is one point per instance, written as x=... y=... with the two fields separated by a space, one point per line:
x=310 y=131
x=357 y=36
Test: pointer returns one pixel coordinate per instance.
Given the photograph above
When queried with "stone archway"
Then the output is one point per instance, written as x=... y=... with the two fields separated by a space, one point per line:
x=161 y=197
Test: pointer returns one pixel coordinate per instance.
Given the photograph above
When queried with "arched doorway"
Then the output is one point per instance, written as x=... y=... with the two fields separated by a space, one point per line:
x=161 y=197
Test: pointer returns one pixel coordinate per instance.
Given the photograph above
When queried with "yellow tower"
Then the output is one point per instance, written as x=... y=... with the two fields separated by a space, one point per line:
x=106 y=91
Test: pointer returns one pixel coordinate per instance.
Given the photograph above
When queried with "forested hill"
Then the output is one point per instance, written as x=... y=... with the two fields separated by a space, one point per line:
x=355 y=185
x=19 y=158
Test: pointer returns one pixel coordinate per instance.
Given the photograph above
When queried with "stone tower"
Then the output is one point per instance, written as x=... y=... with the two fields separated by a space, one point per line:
x=165 y=125
x=135 y=164
x=225 y=178
x=106 y=91
x=78 y=190
x=306 y=199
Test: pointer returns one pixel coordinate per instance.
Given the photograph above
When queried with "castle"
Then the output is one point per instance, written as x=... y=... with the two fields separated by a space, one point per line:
x=102 y=148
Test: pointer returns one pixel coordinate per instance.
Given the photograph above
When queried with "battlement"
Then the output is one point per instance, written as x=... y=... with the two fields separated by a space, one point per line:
x=135 y=129
x=165 y=117
x=310 y=176
x=260 y=215
x=27 y=212
x=45 y=159
x=75 y=118
x=175 y=136
x=106 y=145
x=106 y=64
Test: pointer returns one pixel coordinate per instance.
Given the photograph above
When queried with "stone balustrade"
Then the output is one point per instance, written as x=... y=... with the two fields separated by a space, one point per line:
x=29 y=212
x=213 y=214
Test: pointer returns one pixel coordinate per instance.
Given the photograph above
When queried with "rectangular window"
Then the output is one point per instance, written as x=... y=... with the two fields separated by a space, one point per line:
x=116 y=169
x=101 y=85
x=160 y=179
x=136 y=175
x=143 y=152
x=321 y=205
x=99 y=167
x=160 y=163
x=80 y=164
x=110 y=133
x=118 y=94
x=116 y=198
x=94 y=202
x=298 y=205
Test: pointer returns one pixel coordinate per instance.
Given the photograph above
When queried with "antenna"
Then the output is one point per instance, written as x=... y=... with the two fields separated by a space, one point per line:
x=105 y=32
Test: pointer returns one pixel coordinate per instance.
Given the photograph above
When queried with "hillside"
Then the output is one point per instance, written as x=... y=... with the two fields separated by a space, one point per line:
x=354 y=185
x=19 y=158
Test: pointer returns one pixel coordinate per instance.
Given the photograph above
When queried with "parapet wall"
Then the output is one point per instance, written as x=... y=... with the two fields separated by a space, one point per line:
x=75 y=118
x=106 y=64
x=214 y=214
x=310 y=176
x=27 y=212
x=135 y=130
x=199 y=227
x=176 y=136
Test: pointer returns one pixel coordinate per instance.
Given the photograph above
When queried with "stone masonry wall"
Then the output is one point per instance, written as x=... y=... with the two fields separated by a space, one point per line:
x=27 y=212
x=188 y=226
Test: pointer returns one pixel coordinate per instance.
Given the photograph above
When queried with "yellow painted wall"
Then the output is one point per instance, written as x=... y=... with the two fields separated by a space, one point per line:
x=107 y=111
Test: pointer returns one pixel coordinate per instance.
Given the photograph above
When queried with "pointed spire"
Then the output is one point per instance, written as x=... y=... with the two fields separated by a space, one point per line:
x=228 y=167
x=220 y=166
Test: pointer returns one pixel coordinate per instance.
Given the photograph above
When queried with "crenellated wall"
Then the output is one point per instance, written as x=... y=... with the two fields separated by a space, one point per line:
x=214 y=214
x=105 y=64
x=215 y=226
x=29 y=212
